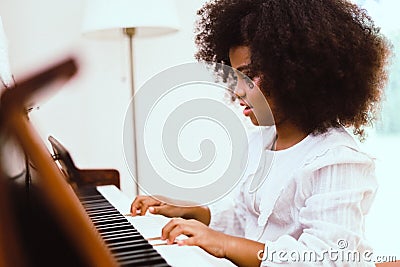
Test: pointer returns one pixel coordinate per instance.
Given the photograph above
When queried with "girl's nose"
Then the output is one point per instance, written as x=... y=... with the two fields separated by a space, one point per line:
x=239 y=91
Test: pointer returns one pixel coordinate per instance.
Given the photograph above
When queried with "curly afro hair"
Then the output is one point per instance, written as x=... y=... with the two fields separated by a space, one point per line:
x=322 y=61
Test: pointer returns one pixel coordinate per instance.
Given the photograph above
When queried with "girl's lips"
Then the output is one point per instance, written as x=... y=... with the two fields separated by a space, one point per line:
x=247 y=111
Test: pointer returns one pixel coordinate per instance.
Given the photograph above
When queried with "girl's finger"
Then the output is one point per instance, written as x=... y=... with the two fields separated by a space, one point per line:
x=169 y=226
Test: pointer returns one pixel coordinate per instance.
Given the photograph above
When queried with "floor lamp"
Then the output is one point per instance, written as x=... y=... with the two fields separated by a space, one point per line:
x=130 y=18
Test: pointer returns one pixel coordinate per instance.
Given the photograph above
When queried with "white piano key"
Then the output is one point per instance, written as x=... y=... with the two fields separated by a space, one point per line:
x=150 y=225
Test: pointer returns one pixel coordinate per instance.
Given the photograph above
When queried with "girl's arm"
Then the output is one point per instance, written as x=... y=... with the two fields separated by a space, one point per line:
x=241 y=251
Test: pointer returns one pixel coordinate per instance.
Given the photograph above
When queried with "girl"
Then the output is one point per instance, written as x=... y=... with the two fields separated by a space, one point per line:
x=320 y=64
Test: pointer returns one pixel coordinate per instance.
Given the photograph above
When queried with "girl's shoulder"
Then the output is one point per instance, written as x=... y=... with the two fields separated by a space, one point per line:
x=336 y=146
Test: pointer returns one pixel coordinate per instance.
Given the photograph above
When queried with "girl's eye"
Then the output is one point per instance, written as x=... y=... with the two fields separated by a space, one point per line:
x=249 y=80
x=248 y=77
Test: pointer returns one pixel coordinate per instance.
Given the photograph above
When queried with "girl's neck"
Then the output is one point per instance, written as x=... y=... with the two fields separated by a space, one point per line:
x=288 y=134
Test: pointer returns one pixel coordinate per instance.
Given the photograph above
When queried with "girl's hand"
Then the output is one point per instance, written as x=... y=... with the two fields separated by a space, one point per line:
x=158 y=205
x=198 y=235
x=155 y=205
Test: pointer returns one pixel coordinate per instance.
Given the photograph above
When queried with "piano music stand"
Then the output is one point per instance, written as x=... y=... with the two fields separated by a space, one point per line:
x=56 y=192
x=81 y=177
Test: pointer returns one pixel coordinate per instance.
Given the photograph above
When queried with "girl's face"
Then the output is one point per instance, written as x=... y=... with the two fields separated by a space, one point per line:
x=247 y=88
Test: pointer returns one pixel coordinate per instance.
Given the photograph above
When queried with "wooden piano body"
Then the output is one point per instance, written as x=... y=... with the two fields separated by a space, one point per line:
x=42 y=220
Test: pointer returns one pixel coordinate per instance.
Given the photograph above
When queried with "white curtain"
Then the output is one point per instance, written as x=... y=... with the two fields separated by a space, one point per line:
x=385 y=14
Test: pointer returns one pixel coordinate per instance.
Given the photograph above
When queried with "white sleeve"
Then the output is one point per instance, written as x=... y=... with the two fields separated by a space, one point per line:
x=228 y=215
x=332 y=218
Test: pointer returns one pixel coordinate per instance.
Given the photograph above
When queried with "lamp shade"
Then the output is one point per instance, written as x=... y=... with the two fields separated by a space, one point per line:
x=148 y=17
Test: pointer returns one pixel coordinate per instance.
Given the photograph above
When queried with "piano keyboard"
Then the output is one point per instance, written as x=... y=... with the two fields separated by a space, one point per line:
x=150 y=226
x=127 y=245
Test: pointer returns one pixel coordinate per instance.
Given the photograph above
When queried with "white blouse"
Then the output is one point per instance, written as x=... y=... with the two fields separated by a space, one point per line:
x=310 y=208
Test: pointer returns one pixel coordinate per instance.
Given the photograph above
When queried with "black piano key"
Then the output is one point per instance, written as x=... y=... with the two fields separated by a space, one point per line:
x=121 y=237
x=116 y=226
x=127 y=245
x=105 y=231
x=93 y=201
x=128 y=241
x=121 y=232
x=115 y=240
x=92 y=206
x=119 y=255
x=162 y=264
x=136 y=256
x=106 y=217
x=147 y=261
x=101 y=216
x=108 y=221
x=102 y=212
x=131 y=247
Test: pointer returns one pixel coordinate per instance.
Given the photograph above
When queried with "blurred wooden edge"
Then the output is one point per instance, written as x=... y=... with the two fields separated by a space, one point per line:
x=10 y=250
x=62 y=200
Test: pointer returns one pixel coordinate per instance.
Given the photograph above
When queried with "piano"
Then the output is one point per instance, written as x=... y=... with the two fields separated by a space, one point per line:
x=55 y=214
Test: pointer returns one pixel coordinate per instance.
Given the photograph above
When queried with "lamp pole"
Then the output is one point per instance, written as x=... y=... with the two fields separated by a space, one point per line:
x=130 y=33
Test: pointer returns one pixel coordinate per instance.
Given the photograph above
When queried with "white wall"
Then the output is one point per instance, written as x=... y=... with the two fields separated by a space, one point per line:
x=87 y=116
